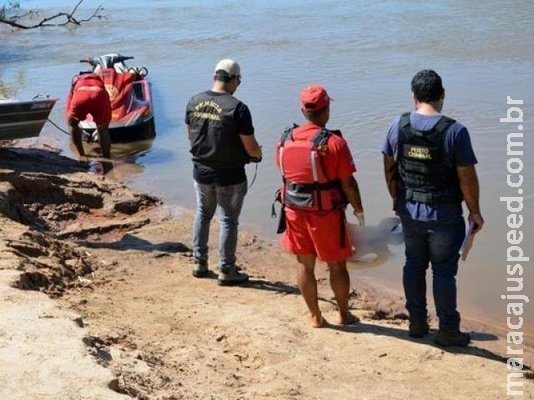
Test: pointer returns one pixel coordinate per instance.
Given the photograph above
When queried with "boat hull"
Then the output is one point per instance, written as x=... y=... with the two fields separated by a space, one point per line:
x=23 y=119
x=142 y=131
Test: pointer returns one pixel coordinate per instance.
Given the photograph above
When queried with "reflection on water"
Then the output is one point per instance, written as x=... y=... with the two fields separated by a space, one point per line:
x=129 y=151
x=364 y=52
x=124 y=163
x=9 y=89
x=124 y=169
x=4 y=91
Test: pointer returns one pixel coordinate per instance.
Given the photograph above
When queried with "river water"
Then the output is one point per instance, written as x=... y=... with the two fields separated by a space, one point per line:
x=363 y=52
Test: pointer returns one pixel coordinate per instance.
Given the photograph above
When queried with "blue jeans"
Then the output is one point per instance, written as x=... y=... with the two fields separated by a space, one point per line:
x=437 y=243
x=229 y=199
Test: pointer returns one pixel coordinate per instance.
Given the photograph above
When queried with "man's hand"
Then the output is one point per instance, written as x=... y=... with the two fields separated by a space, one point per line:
x=467 y=177
x=252 y=148
x=360 y=217
x=352 y=192
x=477 y=220
x=391 y=175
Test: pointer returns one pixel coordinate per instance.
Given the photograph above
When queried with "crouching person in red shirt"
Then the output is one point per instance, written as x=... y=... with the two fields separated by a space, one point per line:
x=89 y=96
x=317 y=170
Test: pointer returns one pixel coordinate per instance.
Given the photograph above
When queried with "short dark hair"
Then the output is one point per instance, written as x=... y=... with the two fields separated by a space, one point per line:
x=427 y=86
x=222 y=76
x=315 y=117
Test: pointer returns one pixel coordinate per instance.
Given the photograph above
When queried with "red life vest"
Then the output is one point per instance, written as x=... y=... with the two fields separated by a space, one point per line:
x=84 y=81
x=306 y=186
x=87 y=80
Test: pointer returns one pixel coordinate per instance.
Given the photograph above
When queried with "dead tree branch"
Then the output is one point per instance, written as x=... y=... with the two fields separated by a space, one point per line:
x=68 y=18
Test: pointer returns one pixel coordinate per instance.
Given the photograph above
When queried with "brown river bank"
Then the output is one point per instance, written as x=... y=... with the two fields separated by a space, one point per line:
x=98 y=302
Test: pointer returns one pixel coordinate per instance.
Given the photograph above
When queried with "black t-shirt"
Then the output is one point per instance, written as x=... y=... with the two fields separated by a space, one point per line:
x=219 y=175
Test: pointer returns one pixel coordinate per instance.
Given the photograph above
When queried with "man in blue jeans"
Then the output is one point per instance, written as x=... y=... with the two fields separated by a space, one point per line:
x=222 y=142
x=429 y=166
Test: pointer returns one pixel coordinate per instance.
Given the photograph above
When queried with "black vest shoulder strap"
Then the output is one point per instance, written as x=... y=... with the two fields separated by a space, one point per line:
x=404 y=131
x=287 y=135
x=404 y=120
x=320 y=138
x=443 y=123
x=441 y=126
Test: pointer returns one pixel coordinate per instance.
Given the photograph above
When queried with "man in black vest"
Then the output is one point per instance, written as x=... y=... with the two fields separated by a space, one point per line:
x=429 y=166
x=222 y=142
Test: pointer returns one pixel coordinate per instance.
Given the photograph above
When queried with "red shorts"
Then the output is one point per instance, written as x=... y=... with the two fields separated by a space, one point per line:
x=90 y=100
x=318 y=233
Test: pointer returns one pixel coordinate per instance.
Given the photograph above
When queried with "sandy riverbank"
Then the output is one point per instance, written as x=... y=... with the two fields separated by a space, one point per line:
x=119 y=315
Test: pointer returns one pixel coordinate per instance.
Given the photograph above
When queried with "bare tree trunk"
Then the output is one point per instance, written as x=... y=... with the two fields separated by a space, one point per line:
x=66 y=17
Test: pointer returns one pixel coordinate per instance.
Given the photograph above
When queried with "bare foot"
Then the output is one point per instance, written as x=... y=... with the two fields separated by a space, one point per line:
x=316 y=321
x=348 y=319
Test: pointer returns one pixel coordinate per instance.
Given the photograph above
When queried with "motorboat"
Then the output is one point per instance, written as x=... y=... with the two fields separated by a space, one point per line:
x=132 y=117
x=21 y=119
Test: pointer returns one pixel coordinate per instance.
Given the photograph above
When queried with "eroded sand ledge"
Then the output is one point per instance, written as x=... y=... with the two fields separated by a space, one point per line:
x=128 y=320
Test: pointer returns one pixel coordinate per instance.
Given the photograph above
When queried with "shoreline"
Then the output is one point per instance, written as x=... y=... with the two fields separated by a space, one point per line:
x=118 y=263
x=472 y=319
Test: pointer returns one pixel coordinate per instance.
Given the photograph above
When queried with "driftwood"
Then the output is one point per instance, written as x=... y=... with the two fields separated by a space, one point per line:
x=65 y=18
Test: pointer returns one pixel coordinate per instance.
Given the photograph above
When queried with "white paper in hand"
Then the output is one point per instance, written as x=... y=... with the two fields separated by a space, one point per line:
x=468 y=241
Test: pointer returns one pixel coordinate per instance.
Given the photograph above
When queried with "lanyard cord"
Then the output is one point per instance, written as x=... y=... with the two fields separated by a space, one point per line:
x=254 y=177
x=61 y=129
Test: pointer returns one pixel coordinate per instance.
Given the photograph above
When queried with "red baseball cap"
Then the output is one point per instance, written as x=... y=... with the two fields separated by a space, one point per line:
x=314 y=99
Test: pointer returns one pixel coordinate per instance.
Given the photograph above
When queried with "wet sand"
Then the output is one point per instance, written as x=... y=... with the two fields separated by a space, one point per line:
x=98 y=302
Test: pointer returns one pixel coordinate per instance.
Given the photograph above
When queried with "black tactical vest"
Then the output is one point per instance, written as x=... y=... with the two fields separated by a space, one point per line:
x=422 y=168
x=214 y=139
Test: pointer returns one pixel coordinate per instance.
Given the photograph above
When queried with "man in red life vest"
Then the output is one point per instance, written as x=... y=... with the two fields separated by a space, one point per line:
x=317 y=169
x=89 y=96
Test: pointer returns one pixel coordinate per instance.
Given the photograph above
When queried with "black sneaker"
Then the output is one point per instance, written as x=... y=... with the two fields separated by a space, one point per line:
x=232 y=277
x=418 y=329
x=200 y=269
x=447 y=339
